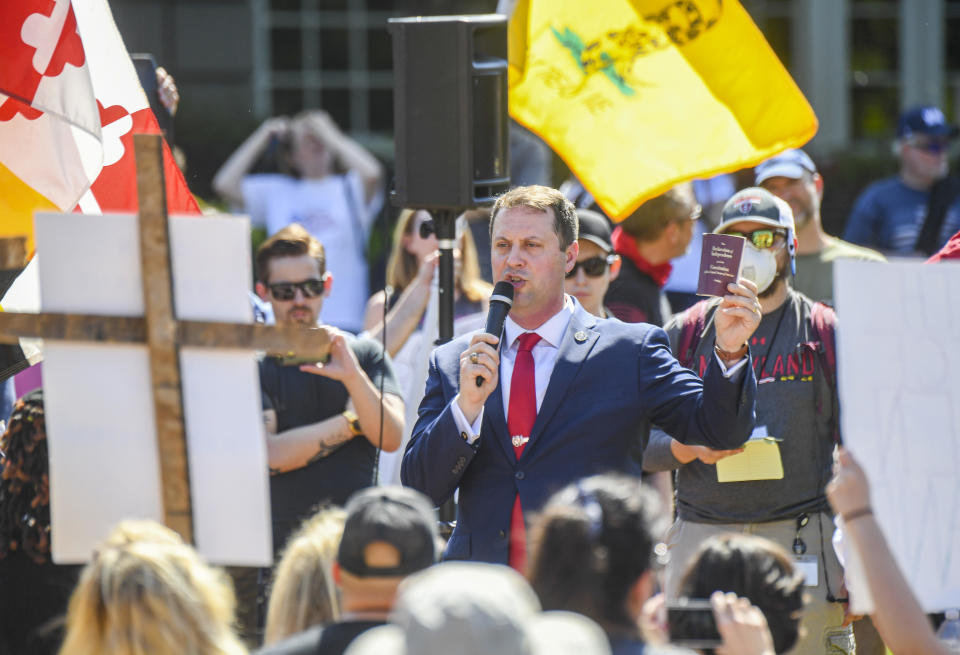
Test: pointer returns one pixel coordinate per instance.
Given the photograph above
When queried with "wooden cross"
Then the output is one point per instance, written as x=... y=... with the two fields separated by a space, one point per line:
x=159 y=330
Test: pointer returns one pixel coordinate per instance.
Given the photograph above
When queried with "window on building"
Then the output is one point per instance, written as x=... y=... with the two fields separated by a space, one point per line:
x=337 y=55
x=874 y=68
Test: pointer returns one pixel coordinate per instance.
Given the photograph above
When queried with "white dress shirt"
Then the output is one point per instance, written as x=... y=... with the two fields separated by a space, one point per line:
x=545 y=354
x=544 y=357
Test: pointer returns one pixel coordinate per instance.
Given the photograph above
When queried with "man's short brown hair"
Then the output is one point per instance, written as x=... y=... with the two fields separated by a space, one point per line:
x=542 y=198
x=648 y=221
x=291 y=241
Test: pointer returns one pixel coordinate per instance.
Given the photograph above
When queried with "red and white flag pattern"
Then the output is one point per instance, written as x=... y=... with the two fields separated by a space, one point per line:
x=70 y=103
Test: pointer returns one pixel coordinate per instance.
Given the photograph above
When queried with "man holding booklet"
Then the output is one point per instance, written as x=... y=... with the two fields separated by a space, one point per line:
x=566 y=394
x=775 y=485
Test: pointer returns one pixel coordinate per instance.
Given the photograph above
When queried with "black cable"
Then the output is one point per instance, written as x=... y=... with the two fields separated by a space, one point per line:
x=773 y=337
x=383 y=340
x=822 y=478
x=823 y=561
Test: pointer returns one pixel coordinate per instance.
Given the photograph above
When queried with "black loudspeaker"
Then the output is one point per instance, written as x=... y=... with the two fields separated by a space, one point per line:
x=450 y=110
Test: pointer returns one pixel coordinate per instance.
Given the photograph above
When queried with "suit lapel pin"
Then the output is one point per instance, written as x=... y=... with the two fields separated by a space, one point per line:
x=580 y=336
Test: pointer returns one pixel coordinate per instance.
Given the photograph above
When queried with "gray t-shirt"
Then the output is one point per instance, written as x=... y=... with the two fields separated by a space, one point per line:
x=790 y=388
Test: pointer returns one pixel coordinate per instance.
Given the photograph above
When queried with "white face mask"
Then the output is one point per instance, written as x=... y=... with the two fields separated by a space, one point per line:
x=758 y=266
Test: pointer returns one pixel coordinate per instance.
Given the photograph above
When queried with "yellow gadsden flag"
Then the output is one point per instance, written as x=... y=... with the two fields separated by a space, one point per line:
x=636 y=96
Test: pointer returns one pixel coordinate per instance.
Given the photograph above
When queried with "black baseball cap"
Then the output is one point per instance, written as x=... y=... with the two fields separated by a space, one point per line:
x=399 y=516
x=595 y=227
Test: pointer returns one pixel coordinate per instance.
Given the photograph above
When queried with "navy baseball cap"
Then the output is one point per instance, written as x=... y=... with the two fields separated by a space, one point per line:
x=926 y=120
x=789 y=163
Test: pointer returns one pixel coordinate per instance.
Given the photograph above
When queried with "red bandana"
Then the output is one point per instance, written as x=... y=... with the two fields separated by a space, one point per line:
x=626 y=246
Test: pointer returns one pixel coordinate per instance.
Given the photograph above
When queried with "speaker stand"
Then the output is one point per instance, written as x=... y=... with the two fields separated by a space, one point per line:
x=445 y=221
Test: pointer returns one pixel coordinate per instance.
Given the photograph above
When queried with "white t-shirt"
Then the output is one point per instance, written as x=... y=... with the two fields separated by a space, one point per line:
x=410 y=367
x=333 y=210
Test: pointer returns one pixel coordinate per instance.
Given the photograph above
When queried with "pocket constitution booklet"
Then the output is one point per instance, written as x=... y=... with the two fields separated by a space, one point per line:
x=720 y=261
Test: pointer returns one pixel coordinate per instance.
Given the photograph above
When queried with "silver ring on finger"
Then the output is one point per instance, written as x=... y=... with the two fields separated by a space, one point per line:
x=474 y=358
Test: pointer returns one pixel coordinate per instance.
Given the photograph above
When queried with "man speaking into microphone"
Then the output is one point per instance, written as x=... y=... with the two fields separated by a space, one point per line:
x=563 y=397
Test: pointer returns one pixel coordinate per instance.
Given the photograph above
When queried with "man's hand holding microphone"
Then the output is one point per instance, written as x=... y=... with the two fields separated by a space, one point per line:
x=480 y=362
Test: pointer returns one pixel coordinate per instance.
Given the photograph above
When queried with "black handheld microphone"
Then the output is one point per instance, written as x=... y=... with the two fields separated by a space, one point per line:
x=500 y=302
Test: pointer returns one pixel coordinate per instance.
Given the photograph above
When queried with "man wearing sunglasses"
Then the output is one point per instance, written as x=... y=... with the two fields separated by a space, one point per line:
x=597 y=265
x=916 y=211
x=776 y=486
x=793 y=177
x=323 y=419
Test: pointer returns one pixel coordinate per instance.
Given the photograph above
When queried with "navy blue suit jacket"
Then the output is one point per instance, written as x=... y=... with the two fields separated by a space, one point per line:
x=610 y=377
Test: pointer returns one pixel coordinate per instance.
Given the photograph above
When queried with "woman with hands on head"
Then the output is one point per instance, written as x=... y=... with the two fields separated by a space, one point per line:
x=323 y=180
x=310 y=146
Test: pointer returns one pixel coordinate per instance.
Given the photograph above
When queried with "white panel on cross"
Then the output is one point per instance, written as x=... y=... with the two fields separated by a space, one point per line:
x=104 y=464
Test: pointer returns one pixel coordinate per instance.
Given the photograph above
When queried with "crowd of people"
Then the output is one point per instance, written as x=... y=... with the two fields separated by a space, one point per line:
x=365 y=579
x=588 y=445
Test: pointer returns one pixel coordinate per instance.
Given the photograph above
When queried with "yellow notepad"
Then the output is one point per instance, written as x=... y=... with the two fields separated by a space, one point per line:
x=760 y=460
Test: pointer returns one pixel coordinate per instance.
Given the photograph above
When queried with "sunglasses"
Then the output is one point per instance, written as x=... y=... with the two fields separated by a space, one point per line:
x=424 y=228
x=933 y=146
x=288 y=290
x=593 y=267
x=761 y=238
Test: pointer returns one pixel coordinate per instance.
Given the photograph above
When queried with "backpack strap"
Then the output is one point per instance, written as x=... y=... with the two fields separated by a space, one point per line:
x=824 y=322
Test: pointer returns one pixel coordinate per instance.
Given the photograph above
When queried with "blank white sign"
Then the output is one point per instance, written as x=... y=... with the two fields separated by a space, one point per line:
x=99 y=404
x=898 y=347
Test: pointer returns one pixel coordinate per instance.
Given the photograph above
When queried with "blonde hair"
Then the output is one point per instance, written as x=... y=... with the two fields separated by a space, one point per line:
x=402 y=266
x=303 y=592
x=145 y=592
x=131 y=531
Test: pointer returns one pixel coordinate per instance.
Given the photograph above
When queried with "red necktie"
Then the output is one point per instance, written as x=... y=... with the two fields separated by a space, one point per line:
x=521 y=414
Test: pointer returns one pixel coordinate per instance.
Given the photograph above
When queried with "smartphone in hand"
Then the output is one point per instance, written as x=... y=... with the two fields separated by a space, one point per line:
x=146 y=68
x=691 y=623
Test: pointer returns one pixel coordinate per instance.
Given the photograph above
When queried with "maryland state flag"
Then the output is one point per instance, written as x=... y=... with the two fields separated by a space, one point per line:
x=638 y=95
x=70 y=102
